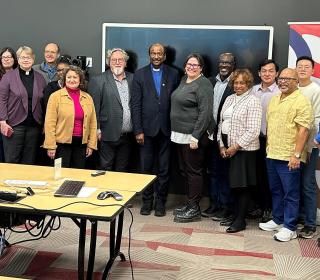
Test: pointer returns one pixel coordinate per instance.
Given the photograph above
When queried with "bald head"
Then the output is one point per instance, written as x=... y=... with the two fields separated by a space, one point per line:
x=290 y=72
x=288 y=81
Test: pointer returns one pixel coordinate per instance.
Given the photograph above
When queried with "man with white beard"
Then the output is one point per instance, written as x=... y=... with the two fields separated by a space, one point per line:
x=111 y=95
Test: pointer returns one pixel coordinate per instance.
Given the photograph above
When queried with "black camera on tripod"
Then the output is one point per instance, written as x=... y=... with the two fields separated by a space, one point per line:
x=80 y=61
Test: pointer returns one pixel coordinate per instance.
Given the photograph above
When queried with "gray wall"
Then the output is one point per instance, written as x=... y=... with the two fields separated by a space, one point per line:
x=77 y=24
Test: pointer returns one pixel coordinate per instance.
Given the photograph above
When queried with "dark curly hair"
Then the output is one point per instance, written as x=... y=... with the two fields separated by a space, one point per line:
x=78 y=70
x=15 y=60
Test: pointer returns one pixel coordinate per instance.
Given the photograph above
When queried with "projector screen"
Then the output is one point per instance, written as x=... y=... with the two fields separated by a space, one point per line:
x=250 y=44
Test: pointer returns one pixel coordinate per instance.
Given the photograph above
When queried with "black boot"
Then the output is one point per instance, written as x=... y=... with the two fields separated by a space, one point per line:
x=191 y=214
x=180 y=209
x=146 y=208
x=159 y=208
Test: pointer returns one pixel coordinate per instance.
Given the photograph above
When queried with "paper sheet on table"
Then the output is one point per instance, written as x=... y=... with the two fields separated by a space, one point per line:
x=86 y=191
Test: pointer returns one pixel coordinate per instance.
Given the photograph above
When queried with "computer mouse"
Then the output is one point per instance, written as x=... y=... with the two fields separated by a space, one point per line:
x=106 y=194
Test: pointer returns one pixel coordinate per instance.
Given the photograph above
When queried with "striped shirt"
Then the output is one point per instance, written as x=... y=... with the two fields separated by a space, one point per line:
x=283 y=118
x=265 y=96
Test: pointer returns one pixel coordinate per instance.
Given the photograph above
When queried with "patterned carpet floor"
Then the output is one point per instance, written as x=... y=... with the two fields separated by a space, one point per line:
x=161 y=249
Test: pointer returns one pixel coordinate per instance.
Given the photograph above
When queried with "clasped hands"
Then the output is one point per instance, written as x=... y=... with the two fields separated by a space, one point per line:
x=228 y=153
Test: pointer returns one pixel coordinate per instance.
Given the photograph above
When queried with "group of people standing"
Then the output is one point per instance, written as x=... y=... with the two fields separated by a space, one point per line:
x=30 y=94
x=255 y=142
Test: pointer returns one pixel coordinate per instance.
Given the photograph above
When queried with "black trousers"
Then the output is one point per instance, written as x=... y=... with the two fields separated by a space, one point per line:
x=1 y=149
x=242 y=199
x=262 y=194
x=155 y=158
x=191 y=164
x=74 y=154
x=114 y=155
x=23 y=145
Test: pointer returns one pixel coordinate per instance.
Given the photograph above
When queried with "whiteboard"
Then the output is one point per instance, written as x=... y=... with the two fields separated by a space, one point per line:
x=250 y=44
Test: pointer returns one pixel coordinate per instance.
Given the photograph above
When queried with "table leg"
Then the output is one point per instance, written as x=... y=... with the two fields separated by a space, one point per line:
x=82 y=243
x=114 y=244
x=119 y=237
x=92 y=251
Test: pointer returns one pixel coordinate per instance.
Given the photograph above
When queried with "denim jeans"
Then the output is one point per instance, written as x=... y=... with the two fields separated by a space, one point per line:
x=285 y=191
x=309 y=190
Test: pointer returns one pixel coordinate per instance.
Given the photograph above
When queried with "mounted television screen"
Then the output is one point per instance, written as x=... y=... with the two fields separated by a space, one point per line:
x=250 y=44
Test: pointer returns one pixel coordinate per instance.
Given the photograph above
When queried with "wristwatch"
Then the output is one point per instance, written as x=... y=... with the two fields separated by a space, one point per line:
x=297 y=155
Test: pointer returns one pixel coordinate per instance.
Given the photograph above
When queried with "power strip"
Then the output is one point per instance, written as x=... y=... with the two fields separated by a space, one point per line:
x=8 y=196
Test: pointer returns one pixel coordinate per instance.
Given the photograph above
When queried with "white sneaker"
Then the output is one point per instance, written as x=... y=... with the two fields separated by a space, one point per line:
x=285 y=234
x=270 y=226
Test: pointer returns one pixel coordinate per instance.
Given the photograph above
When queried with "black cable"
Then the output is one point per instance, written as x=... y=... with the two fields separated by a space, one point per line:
x=43 y=233
x=80 y=202
x=129 y=242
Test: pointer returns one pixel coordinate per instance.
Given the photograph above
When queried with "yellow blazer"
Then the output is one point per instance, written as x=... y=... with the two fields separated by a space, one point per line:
x=59 y=121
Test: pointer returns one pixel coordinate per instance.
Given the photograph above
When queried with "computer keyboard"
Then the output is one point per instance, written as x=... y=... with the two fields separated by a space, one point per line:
x=69 y=188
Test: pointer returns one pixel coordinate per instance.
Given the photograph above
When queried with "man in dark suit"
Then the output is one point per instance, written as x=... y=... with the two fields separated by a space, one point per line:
x=220 y=207
x=111 y=92
x=150 y=107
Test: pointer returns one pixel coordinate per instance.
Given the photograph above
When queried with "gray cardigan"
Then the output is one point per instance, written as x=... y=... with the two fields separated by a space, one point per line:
x=191 y=107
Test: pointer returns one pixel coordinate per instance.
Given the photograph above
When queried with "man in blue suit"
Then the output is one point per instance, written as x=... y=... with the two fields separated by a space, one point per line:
x=150 y=111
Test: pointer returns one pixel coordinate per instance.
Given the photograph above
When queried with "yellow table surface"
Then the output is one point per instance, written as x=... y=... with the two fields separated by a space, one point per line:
x=110 y=181
x=127 y=184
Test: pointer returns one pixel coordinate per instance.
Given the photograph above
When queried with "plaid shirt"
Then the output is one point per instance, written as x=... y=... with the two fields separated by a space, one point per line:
x=245 y=122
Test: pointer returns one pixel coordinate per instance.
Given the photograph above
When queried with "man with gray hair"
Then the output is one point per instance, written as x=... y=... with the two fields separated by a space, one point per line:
x=111 y=95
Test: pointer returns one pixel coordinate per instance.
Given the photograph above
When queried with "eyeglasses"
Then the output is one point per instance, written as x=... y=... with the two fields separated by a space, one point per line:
x=286 y=79
x=117 y=60
x=25 y=58
x=6 y=57
x=60 y=70
x=190 y=65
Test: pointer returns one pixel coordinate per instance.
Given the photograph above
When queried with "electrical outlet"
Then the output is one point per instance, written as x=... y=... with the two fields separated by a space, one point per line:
x=89 y=62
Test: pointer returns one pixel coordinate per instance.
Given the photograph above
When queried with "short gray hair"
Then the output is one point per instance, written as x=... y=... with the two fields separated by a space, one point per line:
x=25 y=49
x=110 y=52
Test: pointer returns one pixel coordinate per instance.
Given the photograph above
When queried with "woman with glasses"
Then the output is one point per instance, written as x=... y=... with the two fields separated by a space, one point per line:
x=21 y=116
x=71 y=124
x=238 y=138
x=63 y=63
x=8 y=61
x=191 y=116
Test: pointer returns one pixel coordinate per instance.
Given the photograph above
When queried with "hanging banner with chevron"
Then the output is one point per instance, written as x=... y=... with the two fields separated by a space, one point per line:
x=304 y=39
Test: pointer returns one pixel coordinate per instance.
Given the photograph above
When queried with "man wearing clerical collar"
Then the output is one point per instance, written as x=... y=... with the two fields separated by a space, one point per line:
x=150 y=109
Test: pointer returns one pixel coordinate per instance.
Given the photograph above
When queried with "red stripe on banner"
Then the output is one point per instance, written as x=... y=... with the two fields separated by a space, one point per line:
x=313 y=29
x=316 y=70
